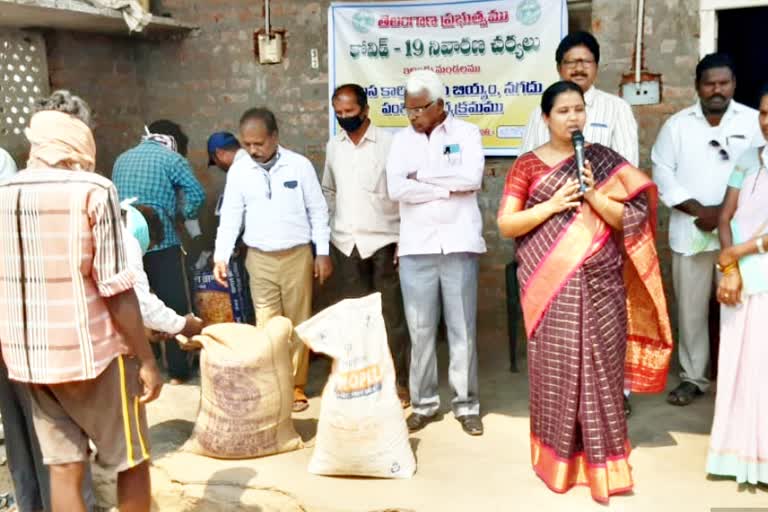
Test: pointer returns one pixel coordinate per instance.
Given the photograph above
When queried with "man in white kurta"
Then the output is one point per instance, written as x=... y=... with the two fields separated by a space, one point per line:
x=435 y=169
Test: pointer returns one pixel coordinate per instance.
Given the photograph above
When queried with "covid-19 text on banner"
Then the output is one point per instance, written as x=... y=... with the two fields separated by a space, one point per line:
x=495 y=57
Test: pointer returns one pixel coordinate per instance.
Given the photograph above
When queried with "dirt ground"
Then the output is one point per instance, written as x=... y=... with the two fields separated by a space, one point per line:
x=455 y=472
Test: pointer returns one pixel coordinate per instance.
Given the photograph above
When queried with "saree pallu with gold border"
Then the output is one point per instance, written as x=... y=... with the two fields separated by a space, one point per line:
x=596 y=319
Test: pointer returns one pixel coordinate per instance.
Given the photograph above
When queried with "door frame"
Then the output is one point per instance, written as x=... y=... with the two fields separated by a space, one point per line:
x=708 y=20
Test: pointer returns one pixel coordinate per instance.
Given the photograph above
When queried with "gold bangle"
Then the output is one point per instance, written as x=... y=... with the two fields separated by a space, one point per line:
x=721 y=267
x=728 y=269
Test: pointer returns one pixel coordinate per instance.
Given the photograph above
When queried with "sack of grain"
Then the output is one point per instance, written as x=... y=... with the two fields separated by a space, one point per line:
x=246 y=384
x=216 y=304
x=362 y=429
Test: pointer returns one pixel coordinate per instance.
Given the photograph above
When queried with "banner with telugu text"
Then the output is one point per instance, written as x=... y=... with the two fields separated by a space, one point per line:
x=495 y=57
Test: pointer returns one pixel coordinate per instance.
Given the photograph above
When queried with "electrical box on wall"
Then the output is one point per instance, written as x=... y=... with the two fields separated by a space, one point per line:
x=645 y=92
x=269 y=46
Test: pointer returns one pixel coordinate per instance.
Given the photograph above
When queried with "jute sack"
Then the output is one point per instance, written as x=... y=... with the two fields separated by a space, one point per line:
x=246 y=384
x=362 y=429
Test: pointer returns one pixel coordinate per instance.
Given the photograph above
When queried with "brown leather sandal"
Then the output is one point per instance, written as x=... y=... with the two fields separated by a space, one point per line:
x=300 y=401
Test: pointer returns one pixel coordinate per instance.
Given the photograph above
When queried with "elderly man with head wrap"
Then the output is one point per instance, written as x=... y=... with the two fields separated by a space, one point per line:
x=70 y=325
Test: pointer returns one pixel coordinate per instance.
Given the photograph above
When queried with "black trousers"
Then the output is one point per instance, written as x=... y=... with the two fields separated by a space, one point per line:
x=166 y=278
x=358 y=277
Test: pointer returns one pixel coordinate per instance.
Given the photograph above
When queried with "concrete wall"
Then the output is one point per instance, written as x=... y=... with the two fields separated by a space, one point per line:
x=205 y=81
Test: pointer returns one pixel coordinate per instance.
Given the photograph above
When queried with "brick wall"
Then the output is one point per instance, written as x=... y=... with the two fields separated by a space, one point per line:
x=671 y=39
x=103 y=71
x=205 y=81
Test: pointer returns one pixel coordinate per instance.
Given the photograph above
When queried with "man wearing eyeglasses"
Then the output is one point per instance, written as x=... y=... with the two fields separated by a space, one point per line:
x=610 y=120
x=276 y=193
x=434 y=170
x=693 y=158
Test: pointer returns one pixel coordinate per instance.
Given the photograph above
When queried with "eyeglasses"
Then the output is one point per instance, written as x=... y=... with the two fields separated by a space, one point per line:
x=417 y=111
x=721 y=151
x=578 y=62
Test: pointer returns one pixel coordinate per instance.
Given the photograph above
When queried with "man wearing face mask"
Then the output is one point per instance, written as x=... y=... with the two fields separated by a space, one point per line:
x=276 y=193
x=365 y=223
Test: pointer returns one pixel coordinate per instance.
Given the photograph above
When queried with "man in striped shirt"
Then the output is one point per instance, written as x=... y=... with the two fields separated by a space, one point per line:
x=70 y=326
x=610 y=120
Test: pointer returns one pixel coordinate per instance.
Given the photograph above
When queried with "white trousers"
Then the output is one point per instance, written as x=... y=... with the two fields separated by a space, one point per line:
x=693 y=279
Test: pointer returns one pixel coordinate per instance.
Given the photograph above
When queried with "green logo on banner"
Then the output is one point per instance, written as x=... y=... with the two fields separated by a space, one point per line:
x=528 y=12
x=363 y=21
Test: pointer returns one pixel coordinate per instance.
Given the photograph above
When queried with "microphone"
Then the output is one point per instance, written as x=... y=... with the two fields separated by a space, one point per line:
x=578 y=147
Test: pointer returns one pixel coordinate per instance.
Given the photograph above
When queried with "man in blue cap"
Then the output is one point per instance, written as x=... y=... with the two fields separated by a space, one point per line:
x=222 y=147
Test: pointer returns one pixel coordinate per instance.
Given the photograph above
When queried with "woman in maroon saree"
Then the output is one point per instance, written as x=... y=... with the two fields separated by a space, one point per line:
x=592 y=299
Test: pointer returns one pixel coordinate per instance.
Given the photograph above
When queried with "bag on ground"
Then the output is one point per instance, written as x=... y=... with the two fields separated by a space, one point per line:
x=362 y=429
x=246 y=385
x=217 y=304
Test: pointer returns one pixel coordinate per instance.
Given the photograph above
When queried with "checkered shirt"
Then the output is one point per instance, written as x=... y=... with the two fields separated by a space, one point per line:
x=153 y=174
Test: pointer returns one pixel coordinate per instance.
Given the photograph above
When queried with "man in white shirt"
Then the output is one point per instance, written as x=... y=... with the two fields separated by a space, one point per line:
x=610 y=120
x=365 y=222
x=435 y=169
x=143 y=230
x=693 y=158
x=276 y=193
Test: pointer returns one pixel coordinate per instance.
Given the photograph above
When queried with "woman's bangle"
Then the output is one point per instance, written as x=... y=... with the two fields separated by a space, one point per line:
x=760 y=246
x=728 y=269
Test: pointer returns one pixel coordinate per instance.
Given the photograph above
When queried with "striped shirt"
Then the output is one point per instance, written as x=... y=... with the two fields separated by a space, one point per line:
x=62 y=254
x=153 y=174
x=610 y=122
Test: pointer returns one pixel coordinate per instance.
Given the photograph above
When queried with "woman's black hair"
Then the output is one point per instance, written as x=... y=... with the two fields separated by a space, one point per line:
x=155 y=225
x=555 y=90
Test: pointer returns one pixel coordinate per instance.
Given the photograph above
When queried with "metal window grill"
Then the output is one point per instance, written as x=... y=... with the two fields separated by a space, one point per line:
x=23 y=79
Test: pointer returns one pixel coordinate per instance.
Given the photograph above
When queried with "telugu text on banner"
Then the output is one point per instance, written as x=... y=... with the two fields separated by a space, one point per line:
x=495 y=57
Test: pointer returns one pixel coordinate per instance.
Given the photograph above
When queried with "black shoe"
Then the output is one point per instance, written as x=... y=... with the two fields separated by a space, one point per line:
x=418 y=421
x=472 y=424
x=684 y=394
x=627 y=407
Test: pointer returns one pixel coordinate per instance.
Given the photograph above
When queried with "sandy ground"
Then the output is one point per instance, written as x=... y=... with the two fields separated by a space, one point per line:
x=455 y=472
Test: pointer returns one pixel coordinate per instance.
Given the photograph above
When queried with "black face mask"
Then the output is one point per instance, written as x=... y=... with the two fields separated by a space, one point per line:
x=350 y=124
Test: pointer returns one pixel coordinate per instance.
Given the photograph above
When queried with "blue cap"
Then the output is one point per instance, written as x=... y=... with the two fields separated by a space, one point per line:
x=220 y=140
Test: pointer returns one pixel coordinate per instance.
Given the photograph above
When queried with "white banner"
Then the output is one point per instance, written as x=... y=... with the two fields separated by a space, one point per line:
x=495 y=57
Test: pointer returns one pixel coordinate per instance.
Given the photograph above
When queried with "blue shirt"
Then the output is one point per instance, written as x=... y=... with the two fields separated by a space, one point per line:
x=153 y=174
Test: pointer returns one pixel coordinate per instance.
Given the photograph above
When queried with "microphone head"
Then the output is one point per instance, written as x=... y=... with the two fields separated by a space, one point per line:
x=577 y=137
